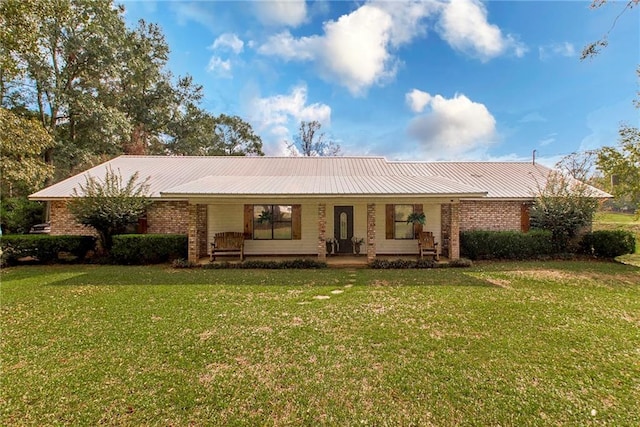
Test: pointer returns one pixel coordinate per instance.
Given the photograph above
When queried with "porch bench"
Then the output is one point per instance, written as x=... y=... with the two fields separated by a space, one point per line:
x=227 y=243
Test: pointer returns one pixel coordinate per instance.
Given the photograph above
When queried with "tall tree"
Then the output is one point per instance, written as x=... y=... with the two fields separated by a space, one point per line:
x=110 y=204
x=199 y=133
x=311 y=142
x=22 y=141
x=563 y=206
x=621 y=165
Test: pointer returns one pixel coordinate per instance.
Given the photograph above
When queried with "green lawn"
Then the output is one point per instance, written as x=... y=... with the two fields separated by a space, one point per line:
x=554 y=343
x=620 y=221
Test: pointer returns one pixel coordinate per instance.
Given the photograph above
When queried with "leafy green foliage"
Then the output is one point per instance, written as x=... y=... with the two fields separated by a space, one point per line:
x=198 y=133
x=386 y=264
x=17 y=214
x=608 y=243
x=621 y=165
x=481 y=244
x=564 y=206
x=148 y=248
x=109 y=205
x=22 y=142
x=44 y=248
x=268 y=265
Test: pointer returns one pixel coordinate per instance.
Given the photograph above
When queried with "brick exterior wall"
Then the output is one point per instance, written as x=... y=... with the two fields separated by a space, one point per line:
x=63 y=223
x=371 y=232
x=168 y=218
x=322 y=232
x=490 y=215
x=162 y=218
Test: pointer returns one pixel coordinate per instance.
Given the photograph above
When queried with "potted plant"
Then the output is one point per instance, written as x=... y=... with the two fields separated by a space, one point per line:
x=329 y=243
x=357 y=243
x=265 y=216
x=416 y=218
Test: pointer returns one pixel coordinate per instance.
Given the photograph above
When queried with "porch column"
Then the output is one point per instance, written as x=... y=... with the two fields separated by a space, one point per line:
x=371 y=232
x=322 y=232
x=193 y=235
x=454 y=238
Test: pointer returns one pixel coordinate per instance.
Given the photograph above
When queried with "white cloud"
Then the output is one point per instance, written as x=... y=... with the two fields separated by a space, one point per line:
x=228 y=41
x=289 y=48
x=355 y=50
x=193 y=11
x=417 y=100
x=453 y=126
x=564 y=49
x=534 y=117
x=288 y=12
x=219 y=66
x=463 y=25
x=275 y=116
x=547 y=140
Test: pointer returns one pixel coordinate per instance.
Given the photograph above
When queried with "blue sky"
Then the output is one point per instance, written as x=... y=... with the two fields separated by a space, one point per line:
x=422 y=80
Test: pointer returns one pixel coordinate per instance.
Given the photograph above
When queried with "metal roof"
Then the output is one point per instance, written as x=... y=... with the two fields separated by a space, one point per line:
x=184 y=176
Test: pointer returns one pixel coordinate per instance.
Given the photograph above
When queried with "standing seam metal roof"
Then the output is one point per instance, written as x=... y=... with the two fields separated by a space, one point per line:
x=174 y=176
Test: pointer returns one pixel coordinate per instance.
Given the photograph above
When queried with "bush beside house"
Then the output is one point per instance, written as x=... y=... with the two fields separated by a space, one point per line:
x=148 y=248
x=608 y=243
x=480 y=244
x=44 y=248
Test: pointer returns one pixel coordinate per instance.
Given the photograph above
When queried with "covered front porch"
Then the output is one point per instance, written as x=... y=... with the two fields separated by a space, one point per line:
x=315 y=224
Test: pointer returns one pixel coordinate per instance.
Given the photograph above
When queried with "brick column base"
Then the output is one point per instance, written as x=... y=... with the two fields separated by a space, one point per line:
x=193 y=235
x=371 y=232
x=322 y=232
x=454 y=238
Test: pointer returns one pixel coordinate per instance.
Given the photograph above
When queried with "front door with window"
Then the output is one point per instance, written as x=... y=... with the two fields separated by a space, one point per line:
x=343 y=228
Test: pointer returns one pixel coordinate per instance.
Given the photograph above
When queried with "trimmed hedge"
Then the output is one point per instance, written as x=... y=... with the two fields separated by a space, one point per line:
x=608 y=243
x=482 y=244
x=269 y=265
x=148 y=248
x=45 y=248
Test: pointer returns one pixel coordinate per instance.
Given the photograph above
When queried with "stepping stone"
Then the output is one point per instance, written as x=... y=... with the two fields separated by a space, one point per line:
x=322 y=297
x=337 y=291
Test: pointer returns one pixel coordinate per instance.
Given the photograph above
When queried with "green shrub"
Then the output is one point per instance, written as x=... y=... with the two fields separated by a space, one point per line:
x=43 y=247
x=460 y=263
x=269 y=265
x=386 y=264
x=183 y=263
x=608 y=243
x=148 y=248
x=480 y=244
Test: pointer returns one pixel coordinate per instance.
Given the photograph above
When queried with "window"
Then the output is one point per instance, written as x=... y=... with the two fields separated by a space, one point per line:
x=272 y=222
x=402 y=230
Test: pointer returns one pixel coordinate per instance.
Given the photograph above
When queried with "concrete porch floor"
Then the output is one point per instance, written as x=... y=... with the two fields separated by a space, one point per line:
x=333 y=261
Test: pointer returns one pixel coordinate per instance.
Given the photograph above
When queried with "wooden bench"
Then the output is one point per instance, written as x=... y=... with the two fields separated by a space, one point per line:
x=427 y=245
x=227 y=243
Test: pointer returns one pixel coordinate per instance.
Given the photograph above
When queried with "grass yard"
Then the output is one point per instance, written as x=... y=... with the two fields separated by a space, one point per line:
x=615 y=221
x=554 y=343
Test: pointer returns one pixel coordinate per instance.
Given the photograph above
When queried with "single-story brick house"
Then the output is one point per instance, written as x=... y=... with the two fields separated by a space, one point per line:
x=310 y=200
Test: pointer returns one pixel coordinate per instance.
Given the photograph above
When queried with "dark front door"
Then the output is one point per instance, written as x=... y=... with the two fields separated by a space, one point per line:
x=343 y=228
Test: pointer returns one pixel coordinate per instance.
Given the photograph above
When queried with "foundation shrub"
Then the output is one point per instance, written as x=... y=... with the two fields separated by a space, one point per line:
x=608 y=243
x=148 y=248
x=480 y=244
x=44 y=248
x=268 y=265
